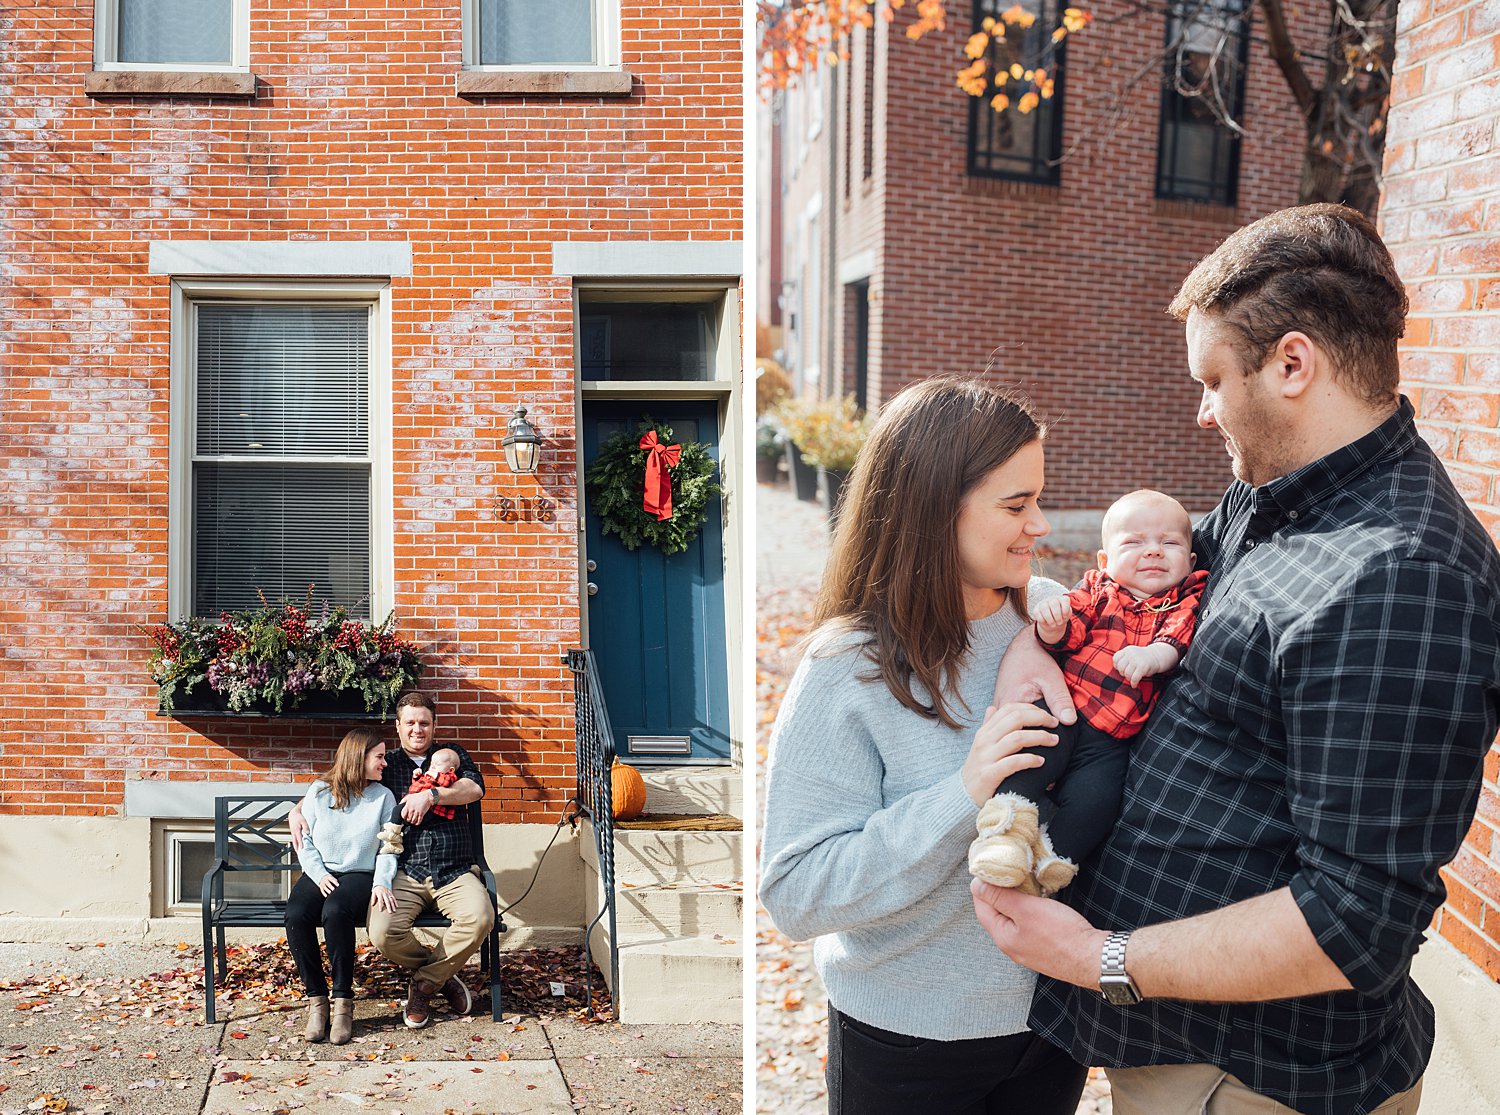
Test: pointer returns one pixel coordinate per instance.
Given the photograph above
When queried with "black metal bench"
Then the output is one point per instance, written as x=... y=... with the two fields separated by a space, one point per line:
x=248 y=837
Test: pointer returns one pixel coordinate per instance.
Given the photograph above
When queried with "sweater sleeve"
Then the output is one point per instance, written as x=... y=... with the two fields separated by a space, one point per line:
x=307 y=855
x=385 y=862
x=834 y=857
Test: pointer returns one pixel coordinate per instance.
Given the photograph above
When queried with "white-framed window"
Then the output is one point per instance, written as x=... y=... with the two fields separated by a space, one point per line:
x=541 y=34
x=280 y=436
x=185 y=853
x=175 y=35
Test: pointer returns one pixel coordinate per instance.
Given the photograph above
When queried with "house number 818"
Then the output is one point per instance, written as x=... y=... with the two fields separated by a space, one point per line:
x=524 y=509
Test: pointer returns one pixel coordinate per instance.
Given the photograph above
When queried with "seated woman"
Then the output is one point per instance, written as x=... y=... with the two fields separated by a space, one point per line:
x=342 y=876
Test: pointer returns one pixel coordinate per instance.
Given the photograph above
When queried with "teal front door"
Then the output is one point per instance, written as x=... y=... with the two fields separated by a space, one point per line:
x=656 y=623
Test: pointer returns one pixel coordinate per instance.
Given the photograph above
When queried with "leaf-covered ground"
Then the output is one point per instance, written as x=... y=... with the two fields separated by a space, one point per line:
x=116 y=1028
x=791 y=1011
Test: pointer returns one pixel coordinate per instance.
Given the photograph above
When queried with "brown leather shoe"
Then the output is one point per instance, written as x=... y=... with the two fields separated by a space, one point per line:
x=418 y=1012
x=460 y=999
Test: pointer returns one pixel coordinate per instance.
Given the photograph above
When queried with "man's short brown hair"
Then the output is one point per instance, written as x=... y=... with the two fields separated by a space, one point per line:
x=416 y=699
x=1316 y=269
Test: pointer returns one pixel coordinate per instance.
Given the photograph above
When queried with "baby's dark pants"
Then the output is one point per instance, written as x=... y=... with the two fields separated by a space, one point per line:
x=1086 y=769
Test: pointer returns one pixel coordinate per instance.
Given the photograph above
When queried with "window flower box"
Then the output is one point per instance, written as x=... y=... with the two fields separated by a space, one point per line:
x=280 y=660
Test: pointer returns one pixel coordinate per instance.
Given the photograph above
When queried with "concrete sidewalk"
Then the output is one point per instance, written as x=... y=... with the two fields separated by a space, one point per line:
x=119 y=1028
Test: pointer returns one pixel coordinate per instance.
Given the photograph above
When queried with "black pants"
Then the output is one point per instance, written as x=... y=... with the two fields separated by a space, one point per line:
x=1088 y=769
x=339 y=914
x=876 y=1072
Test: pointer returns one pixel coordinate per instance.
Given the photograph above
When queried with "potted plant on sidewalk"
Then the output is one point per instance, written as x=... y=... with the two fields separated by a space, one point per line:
x=770 y=448
x=797 y=417
x=831 y=438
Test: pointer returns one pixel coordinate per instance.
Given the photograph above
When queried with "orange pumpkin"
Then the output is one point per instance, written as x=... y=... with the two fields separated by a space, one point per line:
x=627 y=791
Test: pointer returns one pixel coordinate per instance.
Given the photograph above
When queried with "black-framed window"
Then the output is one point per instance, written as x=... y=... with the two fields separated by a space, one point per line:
x=1198 y=154
x=1015 y=144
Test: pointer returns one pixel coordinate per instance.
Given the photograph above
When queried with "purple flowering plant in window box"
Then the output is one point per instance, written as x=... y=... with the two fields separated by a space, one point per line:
x=281 y=659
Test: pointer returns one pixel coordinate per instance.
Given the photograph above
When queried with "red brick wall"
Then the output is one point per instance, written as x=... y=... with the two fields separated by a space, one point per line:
x=1441 y=218
x=1063 y=285
x=357 y=134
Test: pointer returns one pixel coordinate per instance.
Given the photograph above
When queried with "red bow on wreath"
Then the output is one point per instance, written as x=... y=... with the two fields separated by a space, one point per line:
x=659 y=458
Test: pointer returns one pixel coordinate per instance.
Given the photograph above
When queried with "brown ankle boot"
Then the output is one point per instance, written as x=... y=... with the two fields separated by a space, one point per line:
x=317 y=1018
x=342 y=1027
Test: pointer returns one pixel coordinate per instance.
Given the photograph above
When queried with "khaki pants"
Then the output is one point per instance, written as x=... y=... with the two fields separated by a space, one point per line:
x=464 y=902
x=1209 y=1090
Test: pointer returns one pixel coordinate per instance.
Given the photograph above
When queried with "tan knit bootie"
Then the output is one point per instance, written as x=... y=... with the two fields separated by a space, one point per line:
x=1001 y=853
x=1053 y=872
x=342 y=1027
x=317 y=1018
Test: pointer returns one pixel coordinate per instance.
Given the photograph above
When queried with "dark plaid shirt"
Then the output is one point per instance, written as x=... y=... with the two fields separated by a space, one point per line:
x=442 y=851
x=1325 y=732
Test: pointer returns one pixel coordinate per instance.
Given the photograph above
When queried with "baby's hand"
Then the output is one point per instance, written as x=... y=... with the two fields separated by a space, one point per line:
x=1052 y=618
x=1135 y=663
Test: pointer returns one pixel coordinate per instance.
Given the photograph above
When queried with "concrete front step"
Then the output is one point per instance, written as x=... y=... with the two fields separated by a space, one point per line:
x=679 y=910
x=646 y=856
x=676 y=980
x=679 y=906
x=677 y=790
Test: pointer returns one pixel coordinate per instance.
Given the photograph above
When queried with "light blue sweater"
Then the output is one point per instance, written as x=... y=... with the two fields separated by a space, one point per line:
x=340 y=840
x=866 y=837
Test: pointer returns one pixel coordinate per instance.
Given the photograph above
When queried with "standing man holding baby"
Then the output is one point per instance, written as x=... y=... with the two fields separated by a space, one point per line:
x=1242 y=941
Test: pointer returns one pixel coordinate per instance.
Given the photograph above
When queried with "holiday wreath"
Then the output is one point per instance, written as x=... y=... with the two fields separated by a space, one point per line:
x=645 y=488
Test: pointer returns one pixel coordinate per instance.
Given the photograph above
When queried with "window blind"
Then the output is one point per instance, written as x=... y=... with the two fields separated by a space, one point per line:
x=281 y=469
x=540 y=32
x=190 y=32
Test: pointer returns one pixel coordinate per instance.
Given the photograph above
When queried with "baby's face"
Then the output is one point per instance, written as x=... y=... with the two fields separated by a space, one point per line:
x=1148 y=547
x=443 y=762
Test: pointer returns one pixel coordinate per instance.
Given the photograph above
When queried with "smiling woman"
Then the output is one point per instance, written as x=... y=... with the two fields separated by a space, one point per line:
x=872 y=789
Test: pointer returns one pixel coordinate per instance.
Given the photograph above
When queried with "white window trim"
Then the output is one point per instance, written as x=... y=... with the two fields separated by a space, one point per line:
x=106 y=44
x=725 y=353
x=606 y=35
x=172 y=835
x=375 y=294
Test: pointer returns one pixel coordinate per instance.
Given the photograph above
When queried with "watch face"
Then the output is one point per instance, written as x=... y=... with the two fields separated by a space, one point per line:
x=1118 y=991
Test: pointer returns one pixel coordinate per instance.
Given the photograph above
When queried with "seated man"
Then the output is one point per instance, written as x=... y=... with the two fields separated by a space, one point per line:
x=437 y=868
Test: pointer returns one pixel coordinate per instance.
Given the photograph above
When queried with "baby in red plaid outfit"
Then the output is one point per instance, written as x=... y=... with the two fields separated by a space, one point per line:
x=442 y=770
x=1126 y=625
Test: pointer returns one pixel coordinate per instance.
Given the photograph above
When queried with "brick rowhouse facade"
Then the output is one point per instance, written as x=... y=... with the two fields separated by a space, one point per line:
x=1061 y=288
x=355 y=133
x=1441 y=217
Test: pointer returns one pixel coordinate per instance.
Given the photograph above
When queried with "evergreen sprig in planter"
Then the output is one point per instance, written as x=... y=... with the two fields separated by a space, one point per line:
x=281 y=660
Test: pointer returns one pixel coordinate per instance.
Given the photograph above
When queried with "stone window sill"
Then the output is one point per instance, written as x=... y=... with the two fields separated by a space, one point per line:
x=127 y=83
x=567 y=83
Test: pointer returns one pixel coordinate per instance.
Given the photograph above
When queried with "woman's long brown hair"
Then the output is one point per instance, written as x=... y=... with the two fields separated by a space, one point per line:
x=346 y=778
x=893 y=569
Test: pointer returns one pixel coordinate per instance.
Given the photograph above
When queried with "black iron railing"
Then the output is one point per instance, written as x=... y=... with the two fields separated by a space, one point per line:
x=594 y=799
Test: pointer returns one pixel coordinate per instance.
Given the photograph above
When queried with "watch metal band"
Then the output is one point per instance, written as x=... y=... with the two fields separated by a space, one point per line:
x=1115 y=984
x=1112 y=957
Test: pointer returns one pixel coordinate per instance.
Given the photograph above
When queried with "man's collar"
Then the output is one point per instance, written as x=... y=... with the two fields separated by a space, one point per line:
x=1297 y=493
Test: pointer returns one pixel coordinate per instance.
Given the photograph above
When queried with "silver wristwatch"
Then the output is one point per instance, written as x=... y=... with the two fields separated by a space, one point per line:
x=1115 y=983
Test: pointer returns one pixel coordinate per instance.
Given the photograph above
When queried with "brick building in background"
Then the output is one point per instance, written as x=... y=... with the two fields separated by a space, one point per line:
x=432 y=214
x=1440 y=215
x=925 y=234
